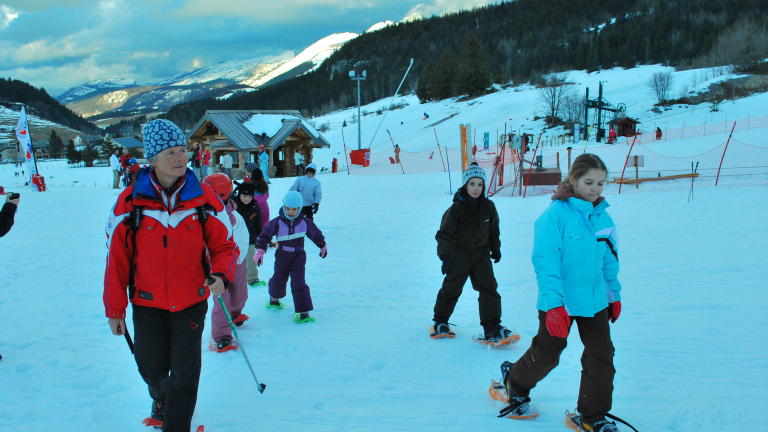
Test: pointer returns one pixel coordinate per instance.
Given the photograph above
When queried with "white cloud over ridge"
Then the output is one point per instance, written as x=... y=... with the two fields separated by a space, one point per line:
x=442 y=7
x=7 y=14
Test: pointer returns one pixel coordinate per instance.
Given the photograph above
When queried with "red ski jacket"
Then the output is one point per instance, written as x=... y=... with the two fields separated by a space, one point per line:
x=124 y=160
x=167 y=266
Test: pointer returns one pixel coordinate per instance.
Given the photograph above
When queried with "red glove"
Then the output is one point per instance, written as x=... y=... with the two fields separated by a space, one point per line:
x=558 y=322
x=614 y=310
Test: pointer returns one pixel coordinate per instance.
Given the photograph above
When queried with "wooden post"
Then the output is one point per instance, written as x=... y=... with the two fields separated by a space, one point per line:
x=569 y=159
x=637 y=173
x=724 y=150
x=558 y=160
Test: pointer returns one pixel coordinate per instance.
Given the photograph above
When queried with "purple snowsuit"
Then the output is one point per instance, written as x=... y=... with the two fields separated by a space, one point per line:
x=290 y=257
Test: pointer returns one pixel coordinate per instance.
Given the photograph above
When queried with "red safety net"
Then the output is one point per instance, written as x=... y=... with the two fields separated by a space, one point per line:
x=699 y=129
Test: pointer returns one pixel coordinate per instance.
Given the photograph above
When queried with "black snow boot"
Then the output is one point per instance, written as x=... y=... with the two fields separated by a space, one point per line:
x=158 y=411
x=441 y=330
x=223 y=343
x=577 y=422
x=519 y=406
x=497 y=333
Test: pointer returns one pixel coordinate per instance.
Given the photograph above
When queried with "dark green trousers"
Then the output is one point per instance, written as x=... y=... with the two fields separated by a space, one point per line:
x=475 y=265
x=597 y=371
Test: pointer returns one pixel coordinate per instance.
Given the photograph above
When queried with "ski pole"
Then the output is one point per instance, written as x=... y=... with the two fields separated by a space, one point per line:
x=693 y=177
x=240 y=344
x=128 y=339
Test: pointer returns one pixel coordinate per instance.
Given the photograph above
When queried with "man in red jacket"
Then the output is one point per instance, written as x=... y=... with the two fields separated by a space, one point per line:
x=183 y=235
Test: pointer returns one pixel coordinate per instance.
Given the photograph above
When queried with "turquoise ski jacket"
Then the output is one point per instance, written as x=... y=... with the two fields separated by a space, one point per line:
x=575 y=256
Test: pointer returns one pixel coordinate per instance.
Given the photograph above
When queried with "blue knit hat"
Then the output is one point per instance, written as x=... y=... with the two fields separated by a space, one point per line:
x=161 y=134
x=472 y=172
x=293 y=199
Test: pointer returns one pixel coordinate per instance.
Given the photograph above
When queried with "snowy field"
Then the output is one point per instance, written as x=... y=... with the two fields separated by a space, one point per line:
x=691 y=342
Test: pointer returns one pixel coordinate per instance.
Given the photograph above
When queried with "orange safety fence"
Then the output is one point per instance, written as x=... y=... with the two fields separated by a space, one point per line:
x=704 y=129
x=732 y=163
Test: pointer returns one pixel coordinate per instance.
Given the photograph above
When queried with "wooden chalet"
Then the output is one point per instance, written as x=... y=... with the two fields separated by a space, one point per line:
x=282 y=133
x=624 y=126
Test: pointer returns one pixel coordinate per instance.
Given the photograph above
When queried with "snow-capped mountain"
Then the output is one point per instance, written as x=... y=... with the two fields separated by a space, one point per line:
x=99 y=86
x=307 y=61
x=230 y=70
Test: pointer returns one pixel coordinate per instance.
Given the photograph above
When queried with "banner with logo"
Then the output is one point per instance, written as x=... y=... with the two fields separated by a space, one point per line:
x=22 y=134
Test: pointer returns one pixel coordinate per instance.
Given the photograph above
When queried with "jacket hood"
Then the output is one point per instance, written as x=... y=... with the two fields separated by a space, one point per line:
x=282 y=214
x=311 y=166
x=143 y=187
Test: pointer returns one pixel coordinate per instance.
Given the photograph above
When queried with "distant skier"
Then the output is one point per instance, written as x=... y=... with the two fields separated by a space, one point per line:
x=309 y=188
x=467 y=241
x=299 y=159
x=236 y=293
x=133 y=171
x=264 y=162
x=426 y=116
x=612 y=136
x=575 y=256
x=658 y=133
x=205 y=160
x=397 y=153
x=163 y=267
x=114 y=164
x=290 y=227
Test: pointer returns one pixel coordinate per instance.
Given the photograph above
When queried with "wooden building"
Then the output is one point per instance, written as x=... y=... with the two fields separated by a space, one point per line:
x=624 y=126
x=282 y=133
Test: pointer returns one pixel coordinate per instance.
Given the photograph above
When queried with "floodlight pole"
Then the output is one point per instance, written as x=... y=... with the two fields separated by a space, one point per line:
x=352 y=75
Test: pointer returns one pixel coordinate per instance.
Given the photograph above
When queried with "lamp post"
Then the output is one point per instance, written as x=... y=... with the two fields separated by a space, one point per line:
x=352 y=75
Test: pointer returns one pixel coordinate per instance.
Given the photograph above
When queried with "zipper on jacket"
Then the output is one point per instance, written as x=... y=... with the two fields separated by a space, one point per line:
x=165 y=241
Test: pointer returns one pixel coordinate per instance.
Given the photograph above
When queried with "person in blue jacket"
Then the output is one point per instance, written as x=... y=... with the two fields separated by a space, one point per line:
x=309 y=188
x=264 y=162
x=575 y=256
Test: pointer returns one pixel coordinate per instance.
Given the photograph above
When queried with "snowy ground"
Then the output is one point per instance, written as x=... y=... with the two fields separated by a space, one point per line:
x=690 y=343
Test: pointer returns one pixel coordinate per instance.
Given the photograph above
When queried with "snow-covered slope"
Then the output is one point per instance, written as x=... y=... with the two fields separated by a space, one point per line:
x=231 y=70
x=309 y=59
x=99 y=85
x=690 y=342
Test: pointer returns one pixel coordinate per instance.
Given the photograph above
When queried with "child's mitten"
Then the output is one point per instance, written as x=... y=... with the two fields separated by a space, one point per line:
x=558 y=322
x=614 y=310
x=449 y=265
x=496 y=255
x=324 y=250
x=258 y=257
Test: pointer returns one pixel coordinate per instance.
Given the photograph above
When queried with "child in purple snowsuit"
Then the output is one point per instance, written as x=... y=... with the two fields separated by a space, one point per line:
x=290 y=259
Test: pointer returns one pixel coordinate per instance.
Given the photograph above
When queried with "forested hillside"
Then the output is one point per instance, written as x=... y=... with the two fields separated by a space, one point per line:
x=519 y=41
x=48 y=108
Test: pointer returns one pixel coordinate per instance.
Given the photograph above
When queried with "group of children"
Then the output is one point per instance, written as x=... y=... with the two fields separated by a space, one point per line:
x=575 y=256
x=246 y=206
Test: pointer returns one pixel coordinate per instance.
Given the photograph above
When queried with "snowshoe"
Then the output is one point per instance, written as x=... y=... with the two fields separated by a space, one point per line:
x=222 y=345
x=518 y=408
x=302 y=318
x=497 y=337
x=441 y=330
x=278 y=304
x=240 y=319
x=575 y=421
x=155 y=418
x=258 y=283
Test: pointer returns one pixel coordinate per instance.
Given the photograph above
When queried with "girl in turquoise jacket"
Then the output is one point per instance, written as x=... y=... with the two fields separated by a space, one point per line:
x=575 y=256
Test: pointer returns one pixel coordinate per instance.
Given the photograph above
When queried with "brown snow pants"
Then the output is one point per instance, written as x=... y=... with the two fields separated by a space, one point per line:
x=597 y=371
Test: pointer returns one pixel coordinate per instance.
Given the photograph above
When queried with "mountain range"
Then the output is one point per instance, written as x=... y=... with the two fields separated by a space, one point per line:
x=124 y=95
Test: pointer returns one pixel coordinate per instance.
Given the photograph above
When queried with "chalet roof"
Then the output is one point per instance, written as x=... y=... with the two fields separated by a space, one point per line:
x=129 y=142
x=623 y=120
x=231 y=123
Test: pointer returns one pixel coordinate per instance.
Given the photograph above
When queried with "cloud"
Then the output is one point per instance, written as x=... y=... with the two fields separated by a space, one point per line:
x=7 y=14
x=274 y=12
x=442 y=7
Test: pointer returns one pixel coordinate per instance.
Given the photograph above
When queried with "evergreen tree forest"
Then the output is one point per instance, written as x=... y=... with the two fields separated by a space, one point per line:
x=518 y=40
x=48 y=107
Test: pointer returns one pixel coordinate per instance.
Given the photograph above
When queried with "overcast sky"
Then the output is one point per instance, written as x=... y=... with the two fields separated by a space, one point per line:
x=59 y=44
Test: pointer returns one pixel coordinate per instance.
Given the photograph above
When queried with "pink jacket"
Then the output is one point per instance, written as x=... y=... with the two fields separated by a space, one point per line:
x=262 y=200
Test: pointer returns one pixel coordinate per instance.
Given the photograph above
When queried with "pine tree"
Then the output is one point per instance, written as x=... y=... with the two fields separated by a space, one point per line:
x=55 y=145
x=73 y=156
x=444 y=77
x=423 y=88
x=88 y=155
x=473 y=77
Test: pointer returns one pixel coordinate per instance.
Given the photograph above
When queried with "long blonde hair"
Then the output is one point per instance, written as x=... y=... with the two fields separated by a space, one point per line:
x=580 y=168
